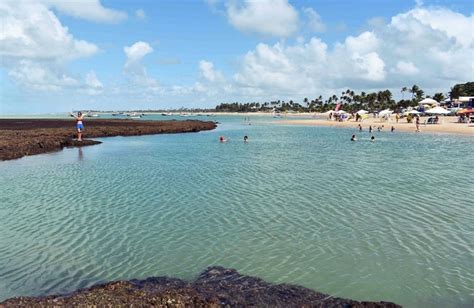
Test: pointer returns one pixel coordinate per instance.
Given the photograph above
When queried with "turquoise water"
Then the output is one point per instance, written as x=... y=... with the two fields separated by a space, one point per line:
x=391 y=220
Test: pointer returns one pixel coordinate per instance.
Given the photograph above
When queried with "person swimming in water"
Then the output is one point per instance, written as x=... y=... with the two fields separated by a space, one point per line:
x=246 y=139
x=353 y=138
x=372 y=139
x=222 y=139
x=360 y=128
x=79 y=125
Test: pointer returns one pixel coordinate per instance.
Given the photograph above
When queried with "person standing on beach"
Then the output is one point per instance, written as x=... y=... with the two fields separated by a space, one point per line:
x=370 y=128
x=417 y=124
x=79 y=125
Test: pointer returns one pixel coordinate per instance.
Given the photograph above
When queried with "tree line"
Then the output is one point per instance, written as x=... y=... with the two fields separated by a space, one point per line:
x=350 y=101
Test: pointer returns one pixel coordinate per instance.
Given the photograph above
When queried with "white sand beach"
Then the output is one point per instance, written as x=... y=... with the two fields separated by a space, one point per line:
x=447 y=125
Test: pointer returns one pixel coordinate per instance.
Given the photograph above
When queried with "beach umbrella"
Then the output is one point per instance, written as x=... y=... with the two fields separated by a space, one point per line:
x=437 y=110
x=465 y=111
x=385 y=112
x=328 y=112
x=362 y=111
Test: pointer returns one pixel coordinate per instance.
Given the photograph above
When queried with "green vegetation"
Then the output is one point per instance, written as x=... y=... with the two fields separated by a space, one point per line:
x=350 y=101
x=466 y=89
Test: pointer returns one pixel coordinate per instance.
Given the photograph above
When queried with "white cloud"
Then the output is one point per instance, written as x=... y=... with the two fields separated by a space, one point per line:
x=134 y=68
x=35 y=76
x=30 y=30
x=35 y=47
x=208 y=72
x=136 y=52
x=315 y=22
x=91 y=10
x=140 y=14
x=268 y=17
x=415 y=47
x=406 y=68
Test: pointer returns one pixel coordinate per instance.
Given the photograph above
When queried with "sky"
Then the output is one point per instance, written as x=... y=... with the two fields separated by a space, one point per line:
x=64 y=55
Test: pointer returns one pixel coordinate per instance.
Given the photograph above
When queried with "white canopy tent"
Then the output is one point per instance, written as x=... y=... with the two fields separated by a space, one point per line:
x=413 y=112
x=340 y=112
x=437 y=110
x=385 y=113
x=428 y=101
x=362 y=111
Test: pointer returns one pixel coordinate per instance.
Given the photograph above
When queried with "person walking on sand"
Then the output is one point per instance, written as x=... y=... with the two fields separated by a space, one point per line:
x=79 y=125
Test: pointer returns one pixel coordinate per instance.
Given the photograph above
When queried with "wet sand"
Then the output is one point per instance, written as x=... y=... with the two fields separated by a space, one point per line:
x=22 y=137
x=215 y=287
x=448 y=125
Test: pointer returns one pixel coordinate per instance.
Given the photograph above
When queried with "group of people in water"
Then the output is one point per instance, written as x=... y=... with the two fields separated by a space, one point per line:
x=223 y=139
x=372 y=138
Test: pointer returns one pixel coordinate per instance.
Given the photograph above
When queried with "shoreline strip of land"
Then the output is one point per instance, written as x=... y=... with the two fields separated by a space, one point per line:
x=23 y=137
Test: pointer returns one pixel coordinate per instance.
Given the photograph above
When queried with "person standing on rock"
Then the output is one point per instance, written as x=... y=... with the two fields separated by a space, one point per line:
x=79 y=125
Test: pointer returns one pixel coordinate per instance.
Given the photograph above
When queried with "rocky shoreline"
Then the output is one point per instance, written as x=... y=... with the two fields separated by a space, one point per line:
x=22 y=137
x=215 y=287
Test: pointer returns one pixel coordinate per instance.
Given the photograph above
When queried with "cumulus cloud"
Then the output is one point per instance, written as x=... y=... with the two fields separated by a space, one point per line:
x=426 y=46
x=134 y=68
x=136 y=52
x=208 y=72
x=33 y=75
x=91 y=10
x=93 y=84
x=406 y=68
x=30 y=30
x=315 y=22
x=35 y=47
x=267 y=17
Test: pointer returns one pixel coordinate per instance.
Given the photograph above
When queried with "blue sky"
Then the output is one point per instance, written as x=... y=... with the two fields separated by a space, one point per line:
x=63 y=55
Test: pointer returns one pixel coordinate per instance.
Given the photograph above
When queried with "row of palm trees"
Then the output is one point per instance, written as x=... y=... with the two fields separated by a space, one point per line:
x=350 y=101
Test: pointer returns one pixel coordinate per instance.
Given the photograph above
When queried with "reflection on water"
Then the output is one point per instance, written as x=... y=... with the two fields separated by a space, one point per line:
x=369 y=221
x=81 y=153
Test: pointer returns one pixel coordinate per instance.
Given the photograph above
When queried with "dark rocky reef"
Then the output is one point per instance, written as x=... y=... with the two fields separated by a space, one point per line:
x=215 y=287
x=21 y=137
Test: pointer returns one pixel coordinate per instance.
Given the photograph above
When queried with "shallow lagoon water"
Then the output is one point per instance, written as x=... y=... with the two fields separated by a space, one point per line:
x=391 y=220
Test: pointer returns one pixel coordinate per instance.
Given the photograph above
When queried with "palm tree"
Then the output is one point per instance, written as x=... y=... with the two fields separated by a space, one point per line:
x=404 y=89
x=439 y=97
x=414 y=90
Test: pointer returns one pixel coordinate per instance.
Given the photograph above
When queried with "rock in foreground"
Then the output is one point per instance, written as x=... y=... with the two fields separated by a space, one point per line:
x=215 y=287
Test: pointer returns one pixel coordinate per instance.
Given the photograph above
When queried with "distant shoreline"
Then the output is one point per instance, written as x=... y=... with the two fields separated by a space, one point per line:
x=22 y=137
